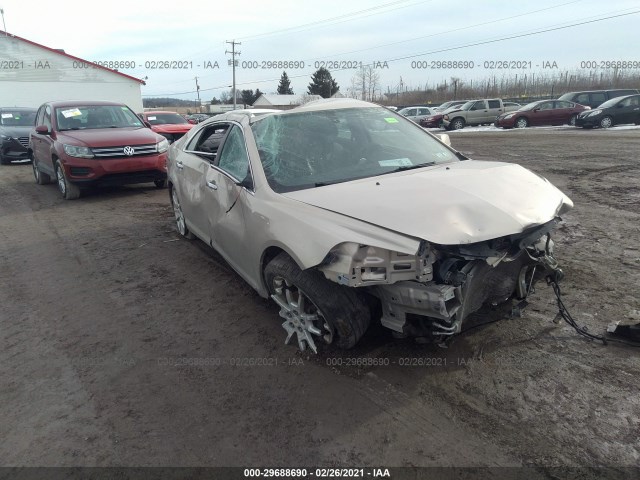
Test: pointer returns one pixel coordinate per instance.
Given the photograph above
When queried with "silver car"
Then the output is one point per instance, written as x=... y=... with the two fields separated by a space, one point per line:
x=344 y=213
x=415 y=114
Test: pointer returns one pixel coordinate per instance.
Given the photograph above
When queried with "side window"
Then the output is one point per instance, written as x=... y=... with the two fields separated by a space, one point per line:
x=47 y=117
x=209 y=140
x=546 y=106
x=423 y=111
x=478 y=105
x=233 y=159
x=494 y=103
x=582 y=99
x=598 y=98
x=562 y=104
x=40 y=117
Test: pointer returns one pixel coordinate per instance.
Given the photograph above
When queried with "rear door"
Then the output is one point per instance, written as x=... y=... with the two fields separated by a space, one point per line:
x=626 y=111
x=562 y=112
x=494 y=109
x=192 y=166
x=596 y=99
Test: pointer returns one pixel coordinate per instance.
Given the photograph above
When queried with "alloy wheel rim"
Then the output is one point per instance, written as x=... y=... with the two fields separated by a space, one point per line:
x=36 y=172
x=177 y=210
x=605 y=122
x=301 y=316
x=521 y=123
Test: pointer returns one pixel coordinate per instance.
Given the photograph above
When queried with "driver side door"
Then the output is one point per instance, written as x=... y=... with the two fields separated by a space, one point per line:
x=228 y=183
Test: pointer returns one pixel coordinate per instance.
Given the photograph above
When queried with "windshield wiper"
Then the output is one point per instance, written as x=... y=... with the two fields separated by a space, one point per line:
x=411 y=167
x=324 y=184
x=71 y=128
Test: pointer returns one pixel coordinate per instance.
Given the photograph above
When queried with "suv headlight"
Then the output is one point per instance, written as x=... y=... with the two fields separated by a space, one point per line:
x=593 y=113
x=73 y=151
x=162 y=146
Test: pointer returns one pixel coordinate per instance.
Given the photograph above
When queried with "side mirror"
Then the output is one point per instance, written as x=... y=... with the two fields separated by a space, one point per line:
x=444 y=138
x=43 y=130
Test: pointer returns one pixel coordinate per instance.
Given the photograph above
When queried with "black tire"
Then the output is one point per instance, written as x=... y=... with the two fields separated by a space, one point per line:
x=160 y=183
x=40 y=177
x=4 y=160
x=521 y=122
x=344 y=309
x=67 y=189
x=457 y=123
x=572 y=120
x=181 y=223
x=606 y=122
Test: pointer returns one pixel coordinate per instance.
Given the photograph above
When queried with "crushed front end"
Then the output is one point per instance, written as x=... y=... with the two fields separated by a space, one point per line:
x=432 y=292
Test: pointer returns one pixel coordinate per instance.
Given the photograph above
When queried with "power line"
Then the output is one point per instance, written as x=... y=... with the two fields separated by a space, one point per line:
x=485 y=42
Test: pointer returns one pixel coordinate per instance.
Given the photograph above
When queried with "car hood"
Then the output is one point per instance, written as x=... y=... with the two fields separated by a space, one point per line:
x=172 y=128
x=108 y=137
x=449 y=204
x=15 y=132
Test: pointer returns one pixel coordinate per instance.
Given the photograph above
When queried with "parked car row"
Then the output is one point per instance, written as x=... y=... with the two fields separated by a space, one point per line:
x=614 y=107
x=309 y=207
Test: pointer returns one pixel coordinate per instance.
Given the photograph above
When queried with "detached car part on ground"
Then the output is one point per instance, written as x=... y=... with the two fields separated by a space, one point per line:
x=344 y=213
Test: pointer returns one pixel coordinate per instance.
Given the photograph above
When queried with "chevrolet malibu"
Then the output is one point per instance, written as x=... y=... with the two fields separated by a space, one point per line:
x=345 y=213
x=86 y=144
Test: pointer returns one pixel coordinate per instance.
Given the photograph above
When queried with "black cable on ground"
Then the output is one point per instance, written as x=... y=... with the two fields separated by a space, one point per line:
x=566 y=316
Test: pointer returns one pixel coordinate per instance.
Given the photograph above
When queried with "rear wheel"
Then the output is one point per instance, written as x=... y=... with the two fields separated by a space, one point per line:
x=572 y=120
x=160 y=183
x=522 y=123
x=41 y=178
x=318 y=312
x=181 y=224
x=606 y=122
x=68 y=190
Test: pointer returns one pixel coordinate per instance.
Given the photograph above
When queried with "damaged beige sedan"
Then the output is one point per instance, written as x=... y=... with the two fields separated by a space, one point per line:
x=345 y=213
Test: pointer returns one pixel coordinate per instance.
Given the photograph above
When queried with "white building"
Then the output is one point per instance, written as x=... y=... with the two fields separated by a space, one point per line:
x=32 y=74
x=283 y=102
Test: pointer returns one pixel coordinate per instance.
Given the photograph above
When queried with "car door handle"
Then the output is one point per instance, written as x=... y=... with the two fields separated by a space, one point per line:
x=212 y=185
x=179 y=165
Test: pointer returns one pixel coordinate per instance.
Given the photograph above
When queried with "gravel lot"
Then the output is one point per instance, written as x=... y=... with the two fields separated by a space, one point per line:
x=122 y=344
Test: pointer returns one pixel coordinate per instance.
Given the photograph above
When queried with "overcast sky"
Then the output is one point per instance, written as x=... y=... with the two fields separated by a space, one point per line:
x=398 y=32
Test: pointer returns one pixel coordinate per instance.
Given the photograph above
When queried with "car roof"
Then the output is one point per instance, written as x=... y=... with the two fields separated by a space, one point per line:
x=83 y=103
x=18 y=109
x=159 y=111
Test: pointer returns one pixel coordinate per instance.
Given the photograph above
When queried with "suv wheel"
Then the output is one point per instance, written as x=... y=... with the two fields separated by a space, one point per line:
x=457 y=123
x=41 y=178
x=68 y=190
x=160 y=183
x=4 y=160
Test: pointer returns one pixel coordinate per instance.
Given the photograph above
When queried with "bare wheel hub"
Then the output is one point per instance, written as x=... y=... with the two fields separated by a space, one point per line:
x=301 y=316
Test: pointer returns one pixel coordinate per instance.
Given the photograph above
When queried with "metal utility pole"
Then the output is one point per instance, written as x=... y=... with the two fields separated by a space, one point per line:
x=234 y=63
x=198 y=91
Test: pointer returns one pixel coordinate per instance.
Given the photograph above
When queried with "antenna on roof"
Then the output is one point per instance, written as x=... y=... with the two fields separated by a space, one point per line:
x=4 y=27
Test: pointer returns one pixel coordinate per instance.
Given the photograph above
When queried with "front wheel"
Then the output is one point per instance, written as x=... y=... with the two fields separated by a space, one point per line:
x=68 y=190
x=457 y=123
x=606 y=122
x=317 y=311
x=4 y=160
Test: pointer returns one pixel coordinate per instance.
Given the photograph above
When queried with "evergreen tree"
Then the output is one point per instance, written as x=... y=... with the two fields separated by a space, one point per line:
x=256 y=95
x=247 y=97
x=284 y=87
x=323 y=84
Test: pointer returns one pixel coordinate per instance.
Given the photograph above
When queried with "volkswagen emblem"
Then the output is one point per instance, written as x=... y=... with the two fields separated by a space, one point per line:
x=128 y=151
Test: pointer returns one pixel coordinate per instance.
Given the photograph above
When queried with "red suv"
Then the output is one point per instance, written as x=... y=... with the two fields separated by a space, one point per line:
x=86 y=144
x=168 y=124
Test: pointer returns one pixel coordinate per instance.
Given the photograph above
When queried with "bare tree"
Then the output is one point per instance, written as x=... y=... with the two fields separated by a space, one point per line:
x=365 y=83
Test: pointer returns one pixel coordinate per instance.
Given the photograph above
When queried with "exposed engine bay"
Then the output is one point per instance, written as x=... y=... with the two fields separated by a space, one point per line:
x=432 y=292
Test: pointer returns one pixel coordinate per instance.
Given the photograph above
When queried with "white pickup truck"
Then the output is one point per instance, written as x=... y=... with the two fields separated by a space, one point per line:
x=477 y=112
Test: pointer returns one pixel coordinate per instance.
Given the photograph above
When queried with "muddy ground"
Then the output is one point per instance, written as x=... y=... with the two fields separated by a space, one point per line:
x=122 y=344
